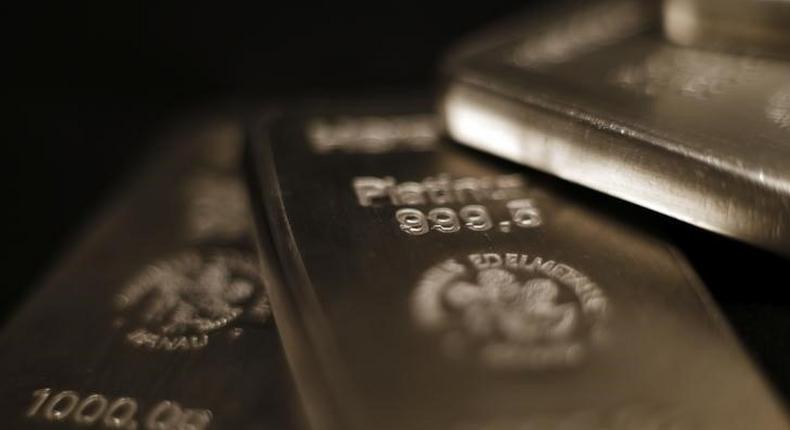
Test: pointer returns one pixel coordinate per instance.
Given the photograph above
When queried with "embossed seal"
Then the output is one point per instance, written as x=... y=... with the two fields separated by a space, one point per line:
x=512 y=310
x=179 y=304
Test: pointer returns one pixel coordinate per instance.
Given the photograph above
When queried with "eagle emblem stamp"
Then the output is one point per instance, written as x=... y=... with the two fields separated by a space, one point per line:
x=512 y=310
x=181 y=303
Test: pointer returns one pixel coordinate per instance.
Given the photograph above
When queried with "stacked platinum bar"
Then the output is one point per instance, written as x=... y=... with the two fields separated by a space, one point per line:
x=596 y=95
x=417 y=284
x=158 y=319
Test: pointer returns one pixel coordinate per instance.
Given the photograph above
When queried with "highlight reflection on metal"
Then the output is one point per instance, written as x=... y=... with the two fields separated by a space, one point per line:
x=697 y=135
x=442 y=289
x=598 y=25
x=158 y=320
x=743 y=26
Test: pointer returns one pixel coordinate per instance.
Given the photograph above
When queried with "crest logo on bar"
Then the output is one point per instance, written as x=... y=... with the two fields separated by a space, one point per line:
x=512 y=311
x=182 y=303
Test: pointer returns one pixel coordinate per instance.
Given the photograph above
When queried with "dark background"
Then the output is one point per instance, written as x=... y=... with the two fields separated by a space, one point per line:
x=91 y=85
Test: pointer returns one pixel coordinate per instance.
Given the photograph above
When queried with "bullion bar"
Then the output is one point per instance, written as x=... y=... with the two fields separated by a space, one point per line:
x=157 y=320
x=597 y=96
x=422 y=285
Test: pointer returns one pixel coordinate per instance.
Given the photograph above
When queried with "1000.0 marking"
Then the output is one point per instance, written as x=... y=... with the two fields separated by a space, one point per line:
x=119 y=413
x=523 y=213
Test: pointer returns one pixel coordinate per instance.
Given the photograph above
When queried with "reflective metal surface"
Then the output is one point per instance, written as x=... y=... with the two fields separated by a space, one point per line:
x=701 y=136
x=158 y=319
x=427 y=286
x=745 y=26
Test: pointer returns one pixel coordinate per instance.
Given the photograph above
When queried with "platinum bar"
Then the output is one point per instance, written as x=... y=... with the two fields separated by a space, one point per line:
x=157 y=320
x=421 y=285
x=699 y=136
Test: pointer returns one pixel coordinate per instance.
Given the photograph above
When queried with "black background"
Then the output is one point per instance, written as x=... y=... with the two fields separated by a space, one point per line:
x=90 y=86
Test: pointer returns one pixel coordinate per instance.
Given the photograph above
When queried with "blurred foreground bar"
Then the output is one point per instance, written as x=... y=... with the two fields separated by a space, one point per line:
x=422 y=285
x=758 y=27
x=595 y=95
x=158 y=319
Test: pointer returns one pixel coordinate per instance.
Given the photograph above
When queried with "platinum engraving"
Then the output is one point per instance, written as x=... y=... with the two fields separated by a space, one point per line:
x=440 y=190
x=512 y=311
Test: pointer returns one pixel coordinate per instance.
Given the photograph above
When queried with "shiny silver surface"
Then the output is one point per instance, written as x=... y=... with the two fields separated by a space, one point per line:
x=701 y=136
x=746 y=26
x=438 y=288
x=157 y=320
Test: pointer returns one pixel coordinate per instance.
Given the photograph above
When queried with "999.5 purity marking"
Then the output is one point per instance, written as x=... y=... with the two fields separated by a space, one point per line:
x=99 y=411
x=523 y=213
x=442 y=189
